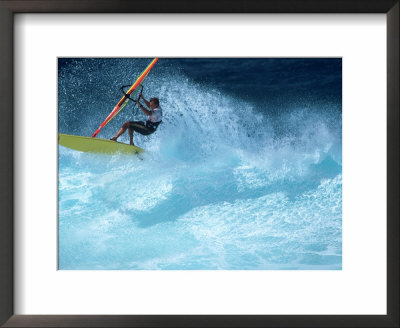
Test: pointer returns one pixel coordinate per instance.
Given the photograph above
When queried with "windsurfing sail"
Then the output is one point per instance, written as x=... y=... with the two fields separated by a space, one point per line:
x=125 y=99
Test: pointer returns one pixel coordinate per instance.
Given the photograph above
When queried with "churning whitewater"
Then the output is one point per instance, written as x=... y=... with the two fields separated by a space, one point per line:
x=228 y=181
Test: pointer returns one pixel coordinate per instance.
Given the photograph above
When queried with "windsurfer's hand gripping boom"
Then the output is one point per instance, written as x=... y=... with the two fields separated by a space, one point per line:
x=142 y=108
x=145 y=101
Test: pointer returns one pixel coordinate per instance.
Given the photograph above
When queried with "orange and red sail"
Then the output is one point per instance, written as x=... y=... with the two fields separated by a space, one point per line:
x=124 y=100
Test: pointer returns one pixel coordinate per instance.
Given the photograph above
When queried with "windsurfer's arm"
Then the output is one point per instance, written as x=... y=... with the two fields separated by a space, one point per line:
x=145 y=101
x=144 y=110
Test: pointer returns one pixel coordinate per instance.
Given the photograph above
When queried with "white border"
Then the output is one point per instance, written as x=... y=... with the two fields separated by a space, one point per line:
x=360 y=288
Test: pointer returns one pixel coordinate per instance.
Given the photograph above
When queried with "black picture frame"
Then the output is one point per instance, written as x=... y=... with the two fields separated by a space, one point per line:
x=10 y=7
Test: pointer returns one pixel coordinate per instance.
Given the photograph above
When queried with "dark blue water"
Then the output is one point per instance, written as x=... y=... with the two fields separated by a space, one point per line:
x=243 y=173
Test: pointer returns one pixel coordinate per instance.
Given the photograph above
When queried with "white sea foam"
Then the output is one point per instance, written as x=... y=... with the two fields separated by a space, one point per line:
x=220 y=186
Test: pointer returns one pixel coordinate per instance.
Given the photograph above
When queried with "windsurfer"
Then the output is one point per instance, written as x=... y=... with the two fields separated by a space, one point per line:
x=145 y=128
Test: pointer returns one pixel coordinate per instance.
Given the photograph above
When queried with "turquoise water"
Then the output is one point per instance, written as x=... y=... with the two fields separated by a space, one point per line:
x=225 y=183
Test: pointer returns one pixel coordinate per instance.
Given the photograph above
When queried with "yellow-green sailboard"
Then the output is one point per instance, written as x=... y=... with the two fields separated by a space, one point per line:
x=96 y=145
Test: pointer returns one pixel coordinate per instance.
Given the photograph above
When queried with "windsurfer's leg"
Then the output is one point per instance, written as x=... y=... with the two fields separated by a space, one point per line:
x=130 y=130
x=121 y=130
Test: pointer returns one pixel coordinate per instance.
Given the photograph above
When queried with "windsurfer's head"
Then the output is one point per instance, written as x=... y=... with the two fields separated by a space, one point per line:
x=154 y=102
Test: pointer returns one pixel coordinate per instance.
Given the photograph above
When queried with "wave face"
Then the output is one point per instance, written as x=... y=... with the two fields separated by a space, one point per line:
x=234 y=177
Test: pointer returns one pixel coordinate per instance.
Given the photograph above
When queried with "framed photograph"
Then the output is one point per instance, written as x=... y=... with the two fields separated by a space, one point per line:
x=240 y=166
x=206 y=165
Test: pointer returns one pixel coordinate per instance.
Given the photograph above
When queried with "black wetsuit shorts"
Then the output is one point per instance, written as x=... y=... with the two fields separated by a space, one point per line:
x=144 y=128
